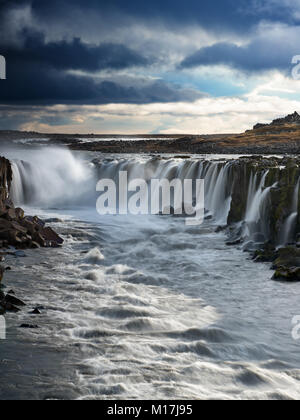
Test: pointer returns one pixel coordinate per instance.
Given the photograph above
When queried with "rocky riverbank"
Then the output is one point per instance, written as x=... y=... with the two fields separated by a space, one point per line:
x=18 y=232
x=264 y=213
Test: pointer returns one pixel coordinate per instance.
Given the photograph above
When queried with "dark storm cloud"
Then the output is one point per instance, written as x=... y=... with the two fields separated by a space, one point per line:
x=72 y=55
x=257 y=56
x=38 y=69
x=236 y=15
x=31 y=83
x=38 y=73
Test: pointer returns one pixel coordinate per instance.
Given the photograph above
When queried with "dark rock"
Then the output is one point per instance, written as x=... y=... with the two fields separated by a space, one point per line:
x=220 y=229
x=11 y=292
x=14 y=301
x=34 y=245
x=287 y=257
x=287 y=274
x=36 y=311
x=235 y=242
x=9 y=307
x=29 y=326
x=267 y=254
x=289 y=119
x=2 y=271
x=19 y=213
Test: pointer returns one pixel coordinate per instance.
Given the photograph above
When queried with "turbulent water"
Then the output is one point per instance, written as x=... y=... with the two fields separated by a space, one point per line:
x=138 y=307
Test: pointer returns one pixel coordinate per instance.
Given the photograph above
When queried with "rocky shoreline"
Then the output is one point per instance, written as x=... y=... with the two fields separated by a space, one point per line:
x=282 y=136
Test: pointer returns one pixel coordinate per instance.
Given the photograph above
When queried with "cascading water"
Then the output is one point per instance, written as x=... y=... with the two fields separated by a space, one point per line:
x=59 y=179
x=257 y=212
x=290 y=223
x=51 y=179
x=217 y=189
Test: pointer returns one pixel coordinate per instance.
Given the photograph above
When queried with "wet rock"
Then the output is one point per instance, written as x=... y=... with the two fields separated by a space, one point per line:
x=234 y=242
x=9 y=307
x=14 y=301
x=2 y=271
x=29 y=326
x=252 y=246
x=267 y=254
x=11 y=214
x=19 y=213
x=220 y=229
x=34 y=245
x=287 y=257
x=287 y=274
x=36 y=311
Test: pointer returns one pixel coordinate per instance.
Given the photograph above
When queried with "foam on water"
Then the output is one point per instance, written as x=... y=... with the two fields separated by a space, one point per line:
x=146 y=307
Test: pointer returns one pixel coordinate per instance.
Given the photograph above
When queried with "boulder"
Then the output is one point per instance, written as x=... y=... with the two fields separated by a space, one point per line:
x=14 y=301
x=287 y=274
x=287 y=257
x=9 y=307
x=29 y=326
x=51 y=237
x=36 y=311
x=19 y=213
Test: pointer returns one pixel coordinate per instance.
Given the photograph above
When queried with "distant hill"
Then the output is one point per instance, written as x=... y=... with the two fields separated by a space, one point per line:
x=289 y=119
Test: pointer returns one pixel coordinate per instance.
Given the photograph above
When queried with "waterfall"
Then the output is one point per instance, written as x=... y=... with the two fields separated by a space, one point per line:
x=52 y=178
x=220 y=200
x=215 y=174
x=255 y=199
x=290 y=223
x=256 y=226
x=56 y=178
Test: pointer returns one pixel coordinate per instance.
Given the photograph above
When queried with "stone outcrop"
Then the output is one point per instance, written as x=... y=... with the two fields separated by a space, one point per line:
x=289 y=119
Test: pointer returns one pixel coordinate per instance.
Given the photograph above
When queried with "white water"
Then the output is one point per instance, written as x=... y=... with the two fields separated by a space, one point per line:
x=290 y=223
x=146 y=307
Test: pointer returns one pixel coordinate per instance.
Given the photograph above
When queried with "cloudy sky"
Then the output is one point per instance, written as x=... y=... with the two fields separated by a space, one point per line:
x=159 y=66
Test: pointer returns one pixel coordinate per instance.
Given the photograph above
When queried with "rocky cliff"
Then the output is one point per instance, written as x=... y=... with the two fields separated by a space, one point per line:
x=289 y=119
x=5 y=181
x=264 y=212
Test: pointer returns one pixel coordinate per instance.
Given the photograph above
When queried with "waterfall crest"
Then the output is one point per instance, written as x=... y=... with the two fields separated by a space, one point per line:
x=246 y=192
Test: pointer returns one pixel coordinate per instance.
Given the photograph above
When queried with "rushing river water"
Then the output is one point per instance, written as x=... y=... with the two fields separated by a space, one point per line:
x=142 y=307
